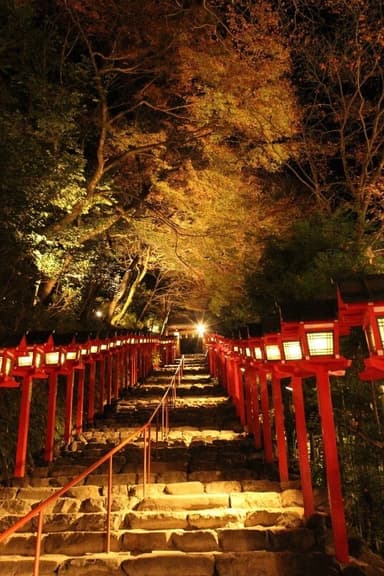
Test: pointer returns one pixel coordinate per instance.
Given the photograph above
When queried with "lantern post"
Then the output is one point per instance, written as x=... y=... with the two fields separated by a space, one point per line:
x=53 y=360
x=72 y=362
x=28 y=362
x=313 y=329
x=272 y=356
x=91 y=359
x=281 y=439
x=103 y=351
x=292 y=356
x=256 y=353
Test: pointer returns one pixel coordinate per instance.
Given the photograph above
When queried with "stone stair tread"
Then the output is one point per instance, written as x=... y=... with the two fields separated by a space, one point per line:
x=212 y=518
x=174 y=563
x=222 y=539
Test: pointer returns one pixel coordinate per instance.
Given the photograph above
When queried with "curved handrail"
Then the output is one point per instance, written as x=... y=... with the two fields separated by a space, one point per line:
x=144 y=429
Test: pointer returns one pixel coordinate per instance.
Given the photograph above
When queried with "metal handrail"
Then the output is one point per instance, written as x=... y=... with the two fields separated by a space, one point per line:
x=144 y=430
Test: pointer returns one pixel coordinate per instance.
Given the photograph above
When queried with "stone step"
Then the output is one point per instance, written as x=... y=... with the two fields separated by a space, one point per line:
x=248 y=494
x=161 y=473
x=170 y=563
x=225 y=452
x=140 y=541
x=126 y=516
x=156 y=389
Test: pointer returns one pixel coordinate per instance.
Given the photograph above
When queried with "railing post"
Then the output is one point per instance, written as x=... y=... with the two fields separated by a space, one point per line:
x=145 y=462
x=109 y=504
x=146 y=458
x=36 y=564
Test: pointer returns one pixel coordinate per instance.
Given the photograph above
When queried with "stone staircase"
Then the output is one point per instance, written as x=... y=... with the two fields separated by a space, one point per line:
x=212 y=507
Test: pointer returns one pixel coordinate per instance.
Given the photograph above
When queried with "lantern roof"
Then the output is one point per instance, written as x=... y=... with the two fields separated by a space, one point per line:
x=354 y=294
x=309 y=311
x=361 y=288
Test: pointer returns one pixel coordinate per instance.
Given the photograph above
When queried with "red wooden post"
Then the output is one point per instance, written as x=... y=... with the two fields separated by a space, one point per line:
x=116 y=381
x=51 y=416
x=332 y=465
x=239 y=371
x=69 y=406
x=125 y=366
x=137 y=361
x=91 y=390
x=280 y=428
x=215 y=363
x=210 y=359
x=148 y=366
x=302 y=442
x=109 y=376
x=267 y=434
x=134 y=366
x=227 y=375
x=235 y=376
x=256 y=409
x=248 y=397
x=121 y=369
x=224 y=370
x=140 y=362
x=101 y=384
x=24 y=416
x=80 y=401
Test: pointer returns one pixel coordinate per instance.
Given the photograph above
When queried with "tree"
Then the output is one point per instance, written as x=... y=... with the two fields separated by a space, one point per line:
x=337 y=48
x=152 y=146
x=301 y=264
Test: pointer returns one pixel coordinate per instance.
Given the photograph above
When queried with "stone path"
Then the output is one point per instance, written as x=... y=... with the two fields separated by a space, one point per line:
x=212 y=507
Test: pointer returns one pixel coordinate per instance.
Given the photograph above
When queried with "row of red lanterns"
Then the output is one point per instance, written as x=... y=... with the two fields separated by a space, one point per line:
x=123 y=360
x=303 y=341
x=41 y=359
x=311 y=331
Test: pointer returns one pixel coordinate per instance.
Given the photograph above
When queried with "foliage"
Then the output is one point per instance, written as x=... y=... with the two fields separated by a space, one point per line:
x=147 y=144
x=301 y=264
